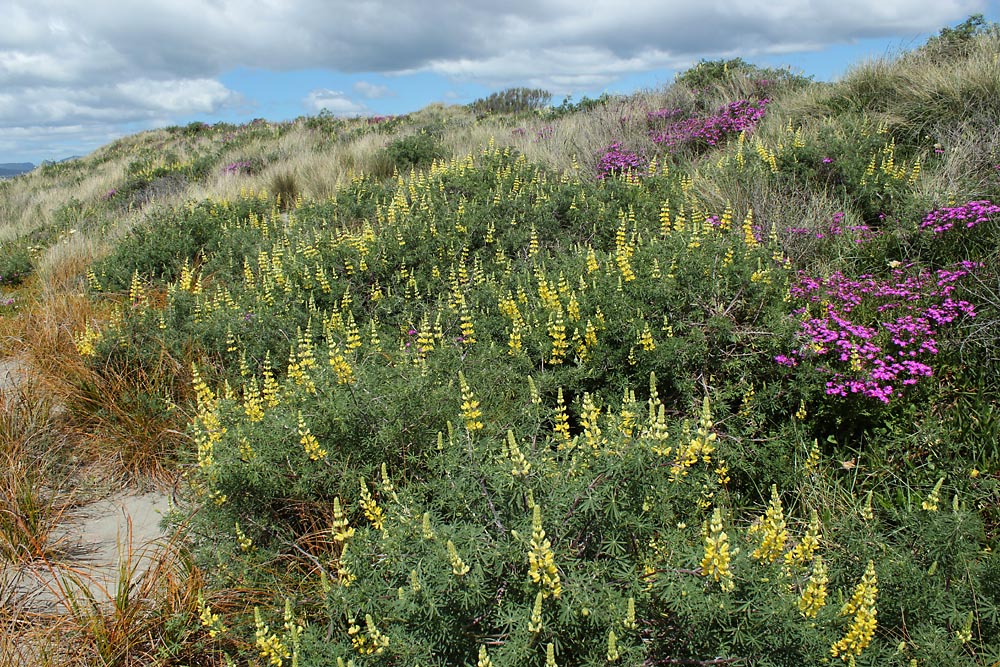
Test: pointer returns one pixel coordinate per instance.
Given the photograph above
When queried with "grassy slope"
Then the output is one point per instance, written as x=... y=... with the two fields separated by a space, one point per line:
x=502 y=249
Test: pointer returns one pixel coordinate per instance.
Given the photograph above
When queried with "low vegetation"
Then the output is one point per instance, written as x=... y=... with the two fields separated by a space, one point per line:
x=705 y=375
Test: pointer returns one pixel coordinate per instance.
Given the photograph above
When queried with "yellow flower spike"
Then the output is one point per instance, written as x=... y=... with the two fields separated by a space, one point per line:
x=370 y=507
x=964 y=634
x=613 y=654
x=252 y=405
x=804 y=550
x=557 y=332
x=645 y=339
x=208 y=619
x=246 y=544
x=269 y=645
x=863 y=624
x=592 y=264
x=340 y=527
x=535 y=623
x=541 y=559
x=812 y=461
x=716 y=562
x=931 y=503
x=748 y=233
x=536 y=398
x=629 y=623
x=589 y=416
x=772 y=529
x=309 y=442
x=339 y=363
x=484 y=658
x=458 y=566
x=813 y=596
x=470 y=406
x=550 y=655
x=521 y=466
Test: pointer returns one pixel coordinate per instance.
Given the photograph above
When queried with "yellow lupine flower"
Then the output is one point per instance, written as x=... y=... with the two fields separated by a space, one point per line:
x=931 y=504
x=370 y=507
x=803 y=552
x=863 y=625
x=458 y=566
x=772 y=529
x=309 y=442
x=341 y=529
x=814 y=594
x=541 y=560
x=470 y=406
x=716 y=562
x=535 y=623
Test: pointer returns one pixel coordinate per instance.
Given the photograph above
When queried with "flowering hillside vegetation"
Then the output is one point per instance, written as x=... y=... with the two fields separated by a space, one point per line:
x=700 y=376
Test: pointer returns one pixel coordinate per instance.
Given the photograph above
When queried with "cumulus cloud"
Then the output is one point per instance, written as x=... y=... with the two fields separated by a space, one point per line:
x=69 y=63
x=372 y=91
x=333 y=101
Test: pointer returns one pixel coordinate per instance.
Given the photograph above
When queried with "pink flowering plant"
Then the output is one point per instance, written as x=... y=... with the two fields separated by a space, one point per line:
x=728 y=120
x=968 y=215
x=875 y=336
x=617 y=160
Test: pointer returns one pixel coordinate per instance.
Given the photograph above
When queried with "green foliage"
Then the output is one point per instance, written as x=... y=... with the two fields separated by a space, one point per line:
x=158 y=248
x=953 y=43
x=414 y=151
x=568 y=106
x=15 y=263
x=512 y=100
x=711 y=73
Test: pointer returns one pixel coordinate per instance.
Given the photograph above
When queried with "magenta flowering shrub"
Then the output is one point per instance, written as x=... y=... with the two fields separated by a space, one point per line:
x=857 y=233
x=238 y=168
x=967 y=215
x=874 y=336
x=617 y=160
x=729 y=119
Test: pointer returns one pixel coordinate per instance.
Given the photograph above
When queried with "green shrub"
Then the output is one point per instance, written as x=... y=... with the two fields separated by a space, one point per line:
x=512 y=100
x=414 y=151
x=15 y=263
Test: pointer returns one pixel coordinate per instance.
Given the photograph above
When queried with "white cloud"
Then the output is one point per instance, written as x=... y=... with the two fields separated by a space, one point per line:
x=372 y=91
x=68 y=63
x=333 y=101
x=177 y=96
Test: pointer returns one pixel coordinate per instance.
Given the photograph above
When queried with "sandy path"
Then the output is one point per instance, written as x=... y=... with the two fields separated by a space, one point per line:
x=91 y=539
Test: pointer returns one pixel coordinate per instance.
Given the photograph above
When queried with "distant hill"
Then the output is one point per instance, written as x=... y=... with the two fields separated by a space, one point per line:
x=8 y=169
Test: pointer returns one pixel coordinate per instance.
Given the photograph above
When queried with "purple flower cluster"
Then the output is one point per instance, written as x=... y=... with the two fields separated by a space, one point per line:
x=860 y=233
x=969 y=214
x=617 y=160
x=656 y=118
x=237 y=168
x=875 y=334
x=545 y=132
x=7 y=300
x=375 y=120
x=107 y=196
x=729 y=119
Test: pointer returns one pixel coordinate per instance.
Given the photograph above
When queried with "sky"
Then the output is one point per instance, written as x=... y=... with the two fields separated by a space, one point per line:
x=77 y=75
